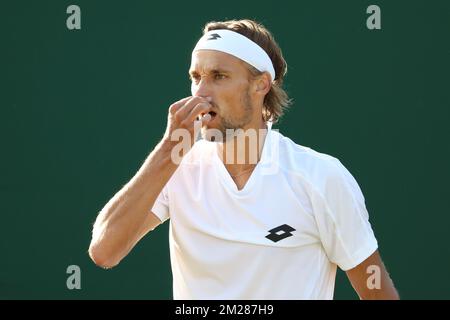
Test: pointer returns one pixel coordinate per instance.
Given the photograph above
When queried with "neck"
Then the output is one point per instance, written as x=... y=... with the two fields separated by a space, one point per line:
x=243 y=151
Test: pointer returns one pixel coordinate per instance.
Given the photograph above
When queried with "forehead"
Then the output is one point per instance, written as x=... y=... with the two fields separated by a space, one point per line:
x=206 y=60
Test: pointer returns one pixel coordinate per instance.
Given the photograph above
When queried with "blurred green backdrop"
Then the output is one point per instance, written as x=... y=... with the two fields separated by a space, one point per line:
x=81 y=109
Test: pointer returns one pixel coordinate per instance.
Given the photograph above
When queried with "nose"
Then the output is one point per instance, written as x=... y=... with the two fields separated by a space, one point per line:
x=201 y=89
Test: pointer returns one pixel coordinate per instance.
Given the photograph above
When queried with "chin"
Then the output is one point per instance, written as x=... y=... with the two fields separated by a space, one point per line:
x=212 y=134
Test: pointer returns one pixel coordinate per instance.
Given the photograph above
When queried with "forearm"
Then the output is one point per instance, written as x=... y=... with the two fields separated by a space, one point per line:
x=120 y=223
x=127 y=216
x=386 y=292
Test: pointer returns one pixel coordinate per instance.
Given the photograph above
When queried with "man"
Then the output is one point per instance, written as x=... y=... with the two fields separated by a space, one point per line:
x=263 y=219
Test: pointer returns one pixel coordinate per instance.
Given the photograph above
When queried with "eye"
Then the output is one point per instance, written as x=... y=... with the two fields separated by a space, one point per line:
x=194 y=78
x=219 y=76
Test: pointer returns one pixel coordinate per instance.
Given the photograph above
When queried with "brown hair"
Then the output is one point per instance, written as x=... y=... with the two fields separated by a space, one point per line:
x=276 y=100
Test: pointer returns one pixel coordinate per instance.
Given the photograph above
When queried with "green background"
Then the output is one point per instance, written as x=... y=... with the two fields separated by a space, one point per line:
x=80 y=111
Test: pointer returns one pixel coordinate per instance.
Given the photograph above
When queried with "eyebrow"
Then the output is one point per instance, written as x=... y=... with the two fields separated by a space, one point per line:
x=213 y=71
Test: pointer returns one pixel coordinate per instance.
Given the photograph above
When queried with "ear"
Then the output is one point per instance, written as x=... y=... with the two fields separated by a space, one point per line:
x=263 y=83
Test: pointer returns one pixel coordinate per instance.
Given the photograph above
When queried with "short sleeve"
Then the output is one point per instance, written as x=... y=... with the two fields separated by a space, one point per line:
x=343 y=220
x=161 y=205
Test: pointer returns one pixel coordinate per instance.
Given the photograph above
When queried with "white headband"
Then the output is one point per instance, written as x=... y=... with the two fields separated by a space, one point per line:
x=237 y=45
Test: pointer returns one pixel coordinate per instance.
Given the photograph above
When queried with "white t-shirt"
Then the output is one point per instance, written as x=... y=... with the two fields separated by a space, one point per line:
x=300 y=214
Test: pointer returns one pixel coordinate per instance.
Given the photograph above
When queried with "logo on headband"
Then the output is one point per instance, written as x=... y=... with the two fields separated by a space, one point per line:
x=213 y=36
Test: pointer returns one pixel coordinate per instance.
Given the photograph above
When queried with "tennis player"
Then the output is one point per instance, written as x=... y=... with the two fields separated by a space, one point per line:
x=252 y=214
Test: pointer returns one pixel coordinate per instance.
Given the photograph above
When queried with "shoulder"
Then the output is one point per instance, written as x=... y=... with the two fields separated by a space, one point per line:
x=303 y=160
x=320 y=170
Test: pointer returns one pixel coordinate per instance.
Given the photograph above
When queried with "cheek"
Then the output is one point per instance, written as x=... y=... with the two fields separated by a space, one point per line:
x=230 y=99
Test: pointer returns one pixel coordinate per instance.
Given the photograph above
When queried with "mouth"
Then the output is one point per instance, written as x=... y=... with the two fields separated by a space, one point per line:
x=211 y=113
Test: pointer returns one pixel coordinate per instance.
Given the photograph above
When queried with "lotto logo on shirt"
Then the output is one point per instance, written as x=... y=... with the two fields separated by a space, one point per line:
x=280 y=233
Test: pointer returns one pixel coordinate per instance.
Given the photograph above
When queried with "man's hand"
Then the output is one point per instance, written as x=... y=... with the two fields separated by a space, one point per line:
x=183 y=114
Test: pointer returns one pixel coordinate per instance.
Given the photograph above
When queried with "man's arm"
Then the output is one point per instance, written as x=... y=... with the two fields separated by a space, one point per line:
x=371 y=280
x=126 y=218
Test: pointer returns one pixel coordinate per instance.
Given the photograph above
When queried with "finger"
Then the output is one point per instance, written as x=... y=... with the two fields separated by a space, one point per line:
x=200 y=117
x=174 y=107
x=206 y=118
x=200 y=108
x=203 y=119
x=186 y=109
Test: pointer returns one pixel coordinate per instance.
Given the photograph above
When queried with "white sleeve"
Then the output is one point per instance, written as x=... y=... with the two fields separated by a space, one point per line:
x=161 y=205
x=343 y=220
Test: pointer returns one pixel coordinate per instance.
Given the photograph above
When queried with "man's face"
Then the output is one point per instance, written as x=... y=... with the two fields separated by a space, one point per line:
x=225 y=79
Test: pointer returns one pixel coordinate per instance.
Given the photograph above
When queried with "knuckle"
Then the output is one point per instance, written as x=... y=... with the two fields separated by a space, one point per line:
x=172 y=108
